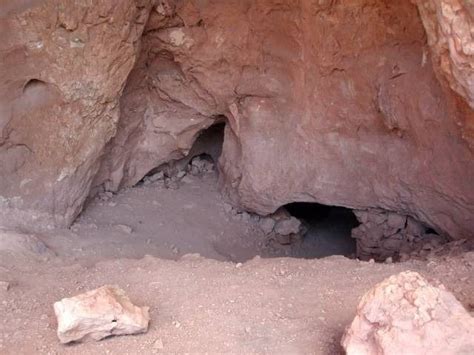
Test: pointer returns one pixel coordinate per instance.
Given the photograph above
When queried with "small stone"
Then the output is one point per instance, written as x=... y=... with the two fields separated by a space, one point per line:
x=98 y=314
x=288 y=226
x=186 y=180
x=389 y=260
x=171 y=184
x=266 y=225
x=371 y=261
x=158 y=344
x=105 y=196
x=396 y=221
x=124 y=228
x=112 y=204
x=156 y=177
x=181 y=174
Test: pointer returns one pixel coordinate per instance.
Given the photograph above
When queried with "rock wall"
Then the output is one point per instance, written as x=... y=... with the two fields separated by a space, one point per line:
x=163 y=109
x=63 y=65
x=328 y=102
x=449 y=25
x=325 y=101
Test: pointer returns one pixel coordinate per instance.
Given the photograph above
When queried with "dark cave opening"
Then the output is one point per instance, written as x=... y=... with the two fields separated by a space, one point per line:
x=328 y=230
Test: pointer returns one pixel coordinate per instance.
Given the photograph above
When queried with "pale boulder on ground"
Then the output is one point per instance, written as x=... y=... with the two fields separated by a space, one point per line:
x=405 y=314
x=98 y=314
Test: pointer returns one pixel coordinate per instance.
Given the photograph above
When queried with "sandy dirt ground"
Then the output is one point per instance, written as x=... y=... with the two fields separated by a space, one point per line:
x=212 y=279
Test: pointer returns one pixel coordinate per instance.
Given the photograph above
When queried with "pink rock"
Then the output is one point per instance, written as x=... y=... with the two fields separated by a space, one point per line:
x=97 y=314
x=405 y=314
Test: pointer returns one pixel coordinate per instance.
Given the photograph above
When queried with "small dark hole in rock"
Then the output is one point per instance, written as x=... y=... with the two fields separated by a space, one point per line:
x=329 y=230
x=33 y=84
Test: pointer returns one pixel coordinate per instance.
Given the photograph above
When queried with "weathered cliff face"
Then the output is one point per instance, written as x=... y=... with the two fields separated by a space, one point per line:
x=449 y=25
x=329 y=102
x=332 y=103
x=163 y=109
x=63 y=65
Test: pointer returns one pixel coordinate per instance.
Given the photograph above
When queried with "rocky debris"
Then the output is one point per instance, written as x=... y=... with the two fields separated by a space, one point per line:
x=267 y=224
x=98 y=314
x=173 y=173
x=282 y=227
x=200 y=166
x=279 y=226
x=26 y=245
x=383 y=235
x=105 y=196
x=406 y=314
x=150 y=179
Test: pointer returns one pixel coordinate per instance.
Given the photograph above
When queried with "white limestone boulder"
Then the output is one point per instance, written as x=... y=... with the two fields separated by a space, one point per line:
x=98 y=314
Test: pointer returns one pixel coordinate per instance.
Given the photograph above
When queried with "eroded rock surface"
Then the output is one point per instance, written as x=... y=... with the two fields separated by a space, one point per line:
x=328 y=102
x=98 y=314
x=449 y=26
x=406 y=314
x=321 y=107
x=63 y=66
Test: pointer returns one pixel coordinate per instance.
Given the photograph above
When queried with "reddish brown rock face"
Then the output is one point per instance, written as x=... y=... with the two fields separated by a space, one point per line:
x=63 y=65
x=360 y=120
x=331 y=102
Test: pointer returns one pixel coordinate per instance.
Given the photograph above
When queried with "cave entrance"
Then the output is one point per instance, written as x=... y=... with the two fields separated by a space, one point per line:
x=202 y=158
x=328 y=230
x=177 y=211
x=208 y=145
